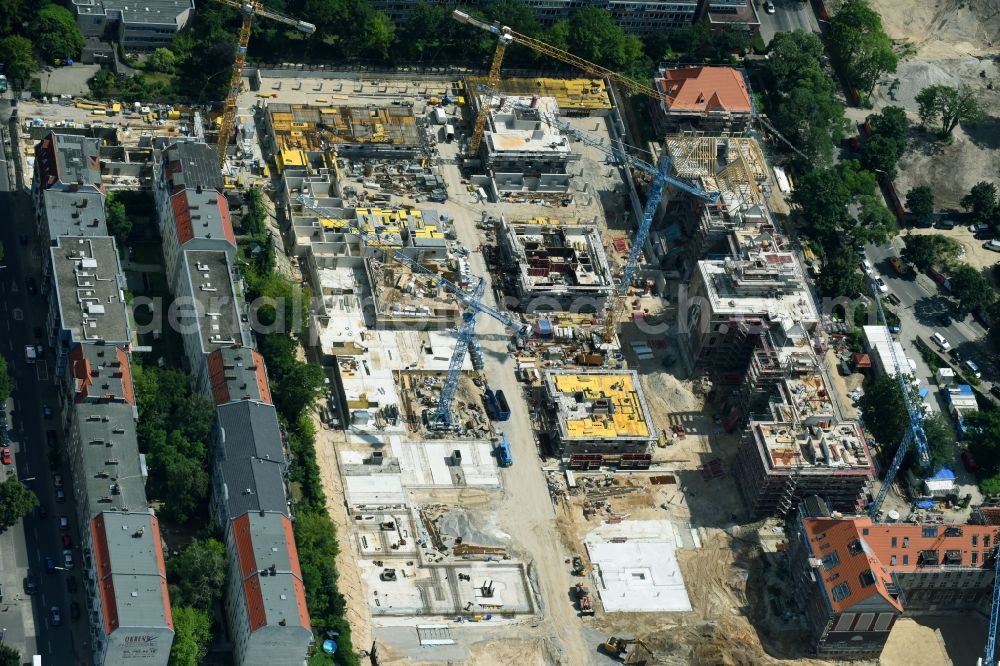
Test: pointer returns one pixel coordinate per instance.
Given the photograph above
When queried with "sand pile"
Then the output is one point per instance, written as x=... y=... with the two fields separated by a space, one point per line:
x=943 y=28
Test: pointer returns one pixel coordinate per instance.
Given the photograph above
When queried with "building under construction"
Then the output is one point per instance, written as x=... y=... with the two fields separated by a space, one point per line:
x=600 y=415
x=558 y=265
x=574 y=97
x=390 y=131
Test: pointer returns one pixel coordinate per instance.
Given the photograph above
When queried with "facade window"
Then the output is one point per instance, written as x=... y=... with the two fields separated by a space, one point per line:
x=864 y=531
x=975 y=556
x=841 y=591
x=986 y=541
x=975 y=540
x=892 y=560
x=906 y=560
x=929 y=531
x=867 y=579
x=831 y=560
x=906 y=542
x=893 y=542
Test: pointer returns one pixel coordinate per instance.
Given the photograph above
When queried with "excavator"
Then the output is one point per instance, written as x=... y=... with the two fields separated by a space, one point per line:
x=619 y=648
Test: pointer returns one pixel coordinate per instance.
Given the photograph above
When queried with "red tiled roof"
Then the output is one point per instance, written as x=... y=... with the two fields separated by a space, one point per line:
x=184 y=224
x=695 y=89
x=128 y=390
x=161 y=567
x=300 y=590
x=80 y=369
x=102 y=566
x=256 y=615
x=220 y=385
x=849 y=558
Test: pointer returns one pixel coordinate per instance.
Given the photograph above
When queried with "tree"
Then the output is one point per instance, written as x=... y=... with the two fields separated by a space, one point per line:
x=839 y=275
x=884 y=411
x=982 y=202
x=593 y=35
x=879 y=155
x=859 y=44
x=198 y=574
x=18 y=58
x=891 y=123
x=6 y=382
x=9 y=656
x=876 y=223
x=163 y=60
x=16 y=501
x=57 y=33
x=119 y=225
x=940 y=440
x=379 y=35
x=970 y=288
x=983 y=435
x=948 y=106
x=931 y=250
x=809 y=116
x=298 y=388
x=515 y=14
x=920 y=202
x=192 y=636
x=316 y=541
x=12 y=12
x=790 y=54
x=178 y=475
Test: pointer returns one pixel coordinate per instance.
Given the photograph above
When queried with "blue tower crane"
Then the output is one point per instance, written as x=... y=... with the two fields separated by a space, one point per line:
x=990 y=653
x=914 y=433
x=470 y=299
x=661 y=178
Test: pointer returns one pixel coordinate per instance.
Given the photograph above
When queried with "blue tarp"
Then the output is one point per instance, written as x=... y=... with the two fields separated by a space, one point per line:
x=944 y=475
x=925 y=504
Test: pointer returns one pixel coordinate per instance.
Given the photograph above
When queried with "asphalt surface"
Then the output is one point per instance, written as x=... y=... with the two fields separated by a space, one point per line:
x=26 y=618
x=789 y=15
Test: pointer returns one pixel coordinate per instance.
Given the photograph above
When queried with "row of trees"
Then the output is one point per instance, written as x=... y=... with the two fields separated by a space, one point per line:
x=859 y=45
x=29 y=32
x=196 y=577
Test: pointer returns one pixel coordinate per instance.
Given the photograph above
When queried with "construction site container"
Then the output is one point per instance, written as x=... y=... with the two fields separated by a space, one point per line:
x=449 y=133
x=543 y=327
x=504 y=457
x=173 y=115
x=440 y=117
x=496 y=405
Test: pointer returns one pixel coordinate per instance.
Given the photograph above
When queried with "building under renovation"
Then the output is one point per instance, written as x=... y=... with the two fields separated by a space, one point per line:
x=559 y=266
x=574 y=97
x=518 y=139
x=598 y=416
x=854 y=578
x=708 y=99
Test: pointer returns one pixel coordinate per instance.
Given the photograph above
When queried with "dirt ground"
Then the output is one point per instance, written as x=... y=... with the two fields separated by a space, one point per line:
x=943 y=28
x=975 y=254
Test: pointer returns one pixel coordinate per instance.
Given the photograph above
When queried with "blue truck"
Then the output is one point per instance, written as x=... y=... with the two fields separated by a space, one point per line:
x=504 y=457
x=496 y=405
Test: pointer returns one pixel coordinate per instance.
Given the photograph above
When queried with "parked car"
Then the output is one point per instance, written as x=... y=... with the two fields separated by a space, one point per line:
x=898 y=265
x=973 y=368
x=55 y=615
x=882 y=286
x=68 y=558
x=42 y=511
x=67 y=540
x=769 y=7
x=941 y=342
x=946 y=224
x=60 y=495
x=74 y=611
x=30 y=585
x=57 y=480
x=47 y=411
x=50 y=565
x=5 y=455
x=51 y=438
x=992 y=245
x=38 y=332
x=63 y=523
x=969 y=462
x=867 y=268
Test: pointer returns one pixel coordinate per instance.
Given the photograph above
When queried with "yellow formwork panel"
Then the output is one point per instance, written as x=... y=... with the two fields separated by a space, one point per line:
x=570 y=94
x=626 y=419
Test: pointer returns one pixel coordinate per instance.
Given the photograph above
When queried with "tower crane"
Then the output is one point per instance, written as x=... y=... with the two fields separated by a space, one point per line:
x=250 y=8
x=661 y=178
x=506 y=37
x=914 y=432
x=990 y=653
x=471 y=299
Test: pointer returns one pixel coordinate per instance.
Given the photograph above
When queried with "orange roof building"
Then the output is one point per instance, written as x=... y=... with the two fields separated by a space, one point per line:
x=855 y=578
x=705 y=98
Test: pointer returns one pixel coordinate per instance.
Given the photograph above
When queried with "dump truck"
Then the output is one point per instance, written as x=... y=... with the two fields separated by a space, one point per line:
x=504 y=457
x=496 y=404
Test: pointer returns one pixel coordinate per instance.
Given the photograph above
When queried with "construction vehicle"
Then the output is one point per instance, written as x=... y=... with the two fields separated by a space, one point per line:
x=583 y=599
x=618 y=648
x=250 y=8
x=470 y=298
x=505 y=37
x=496 y=404
x=504 y=457
x=578 y=568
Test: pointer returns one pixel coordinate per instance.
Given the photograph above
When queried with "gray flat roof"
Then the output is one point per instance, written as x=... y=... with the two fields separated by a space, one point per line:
x=208 y=272
x=135 y=555
x=74 y=213
x=250 y=430
x=253 y=484
x=111 y=468
x=192 y=164
x=238 y=373
x=101 y=372
x=76 y=158
x=89 y=286
x=204 y=213
x=146 y=11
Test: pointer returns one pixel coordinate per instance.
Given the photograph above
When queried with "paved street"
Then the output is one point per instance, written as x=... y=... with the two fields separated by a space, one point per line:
x=789 y=15
x=22 y=551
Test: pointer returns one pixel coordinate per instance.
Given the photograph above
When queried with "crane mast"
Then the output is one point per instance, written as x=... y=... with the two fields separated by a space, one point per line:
x=249 y=10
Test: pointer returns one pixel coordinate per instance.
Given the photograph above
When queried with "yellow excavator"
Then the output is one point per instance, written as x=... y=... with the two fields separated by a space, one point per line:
x=622 y=649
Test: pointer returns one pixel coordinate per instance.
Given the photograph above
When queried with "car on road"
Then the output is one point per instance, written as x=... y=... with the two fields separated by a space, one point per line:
x=31 y=285
x=51 y=438
x=946 y=224
x=74 y=611
x=60 y=495
x=67 y=540
x=47 y=411
x=68 y=558
x=30 y=585
x=867 y=268
x=5 y=455
x=969 y=462
x=898 y=265
x=992 y=245
x=57 y=480
x=55 y=615
x=941 y=342
x=769 y=7
x=882 y=286
x=50 y=565
x=973 y=368
x=63 y=523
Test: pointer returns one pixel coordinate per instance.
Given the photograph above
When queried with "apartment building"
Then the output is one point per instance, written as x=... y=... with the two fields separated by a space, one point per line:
x=66 y=187
x=143 y=26
x=707 y=99
x=855 y=578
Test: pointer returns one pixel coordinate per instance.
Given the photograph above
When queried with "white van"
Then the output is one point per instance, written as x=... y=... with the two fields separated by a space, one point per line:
x=941 y=342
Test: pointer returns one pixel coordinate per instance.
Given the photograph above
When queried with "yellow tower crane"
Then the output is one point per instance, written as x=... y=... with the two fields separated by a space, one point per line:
x=505 y=37
x=250 y=9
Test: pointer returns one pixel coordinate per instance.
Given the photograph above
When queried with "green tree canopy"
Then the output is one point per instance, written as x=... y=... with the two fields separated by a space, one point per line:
x=809 y=116
x=839 y=275
x=927 y=251
x=163 y=60
x=981 y=201
x=178 y=475
x=983 y=436
x=884 y=411
x=859 y=44
x=876 y=223
x=940 y=440
x=18 y=58
x=6 y=382
x=16 y=501
x=920 y=202
x=948 y=107
x=119 y=225
x=879 y=155
x=970 y=288
x=57 y=33
x=316 y=542
x=197 y=574
x=592 y=34
x=192 y=636
x=9 y=656
x=790 y=55
x=891 y=123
